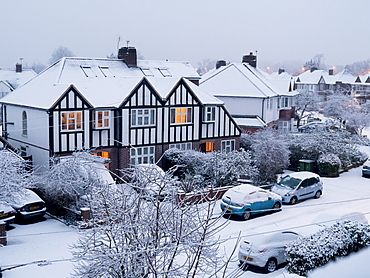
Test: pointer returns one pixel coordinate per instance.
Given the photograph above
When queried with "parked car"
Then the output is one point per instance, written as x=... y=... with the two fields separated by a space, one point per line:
x=298 y=186
x=245 y=200
x=28 y=206
x=366 y=169
x=266 y=251
x=313 y=126
x=7 y=213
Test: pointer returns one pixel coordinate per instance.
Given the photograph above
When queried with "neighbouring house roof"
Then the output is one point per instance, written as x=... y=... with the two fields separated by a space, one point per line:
x=14 y=79
x=314 y=77
x=243 y=80
x=104 y=82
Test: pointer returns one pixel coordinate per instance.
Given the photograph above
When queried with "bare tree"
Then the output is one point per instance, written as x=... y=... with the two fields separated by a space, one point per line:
x=305 y=102
x=359 y=68
x=315 y=63
x=133 y=236
x=205 y=65
x=59 y=53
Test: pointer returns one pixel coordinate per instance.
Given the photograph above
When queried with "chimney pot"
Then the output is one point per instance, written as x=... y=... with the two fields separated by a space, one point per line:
x=331 y=72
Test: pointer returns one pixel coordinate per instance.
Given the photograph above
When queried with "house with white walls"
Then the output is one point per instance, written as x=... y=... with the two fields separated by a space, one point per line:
x=127 y=110
x=252 y=97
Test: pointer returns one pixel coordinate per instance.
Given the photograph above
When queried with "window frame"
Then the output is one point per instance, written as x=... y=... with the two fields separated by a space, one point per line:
x=105 y=119
x=209 y=115
x=24 y=124
x=139 y=115
x=142 y=155
x=77 y=121
x=179 y=116
x=228 y=145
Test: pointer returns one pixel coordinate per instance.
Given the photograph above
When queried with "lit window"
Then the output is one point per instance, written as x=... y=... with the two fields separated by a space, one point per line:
x=142 y=117
x=181 y=115
x=165 y=72
x=141 y=155
x=210 y=146
x=210 y=114
x=88 y=71
x=102 y=119
x=102 y=154
x=24 y=124
x=72 y=121
x=227 y=145
x=181 y=146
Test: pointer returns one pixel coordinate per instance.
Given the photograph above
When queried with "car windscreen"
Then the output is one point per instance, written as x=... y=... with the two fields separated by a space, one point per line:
x=289 y=182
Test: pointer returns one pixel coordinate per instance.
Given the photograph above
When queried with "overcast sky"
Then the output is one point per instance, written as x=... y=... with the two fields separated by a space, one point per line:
x=281 y=31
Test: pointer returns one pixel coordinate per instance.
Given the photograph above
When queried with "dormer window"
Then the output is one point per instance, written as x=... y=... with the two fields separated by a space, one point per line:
x=102 y=119
x=71 y=121
x=209 y=114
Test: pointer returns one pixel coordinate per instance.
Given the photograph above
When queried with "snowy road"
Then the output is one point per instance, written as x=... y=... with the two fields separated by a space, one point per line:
x=348 y=193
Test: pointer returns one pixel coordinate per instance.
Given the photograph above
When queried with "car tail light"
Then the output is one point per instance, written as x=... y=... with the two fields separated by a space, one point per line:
x=262 y=251
x=22 y=209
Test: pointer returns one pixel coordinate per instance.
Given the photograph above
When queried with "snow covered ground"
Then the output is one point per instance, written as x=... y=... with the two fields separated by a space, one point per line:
x=49 y=240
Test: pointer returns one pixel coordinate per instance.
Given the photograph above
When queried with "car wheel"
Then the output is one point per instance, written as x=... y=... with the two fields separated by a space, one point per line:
x=271 y=265
x=293 y=200
x=277 y=206
x=246 y=214
x=318 y=194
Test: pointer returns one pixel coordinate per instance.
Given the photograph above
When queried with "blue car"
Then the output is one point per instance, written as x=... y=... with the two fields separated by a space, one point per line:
x=298 y=186
x=366 y=169
x=245 y=200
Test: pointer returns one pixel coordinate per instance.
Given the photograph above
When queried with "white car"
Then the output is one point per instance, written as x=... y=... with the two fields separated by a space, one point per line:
x=266 y=251
x=7 y=213
x=298 y=186
x=28 y=205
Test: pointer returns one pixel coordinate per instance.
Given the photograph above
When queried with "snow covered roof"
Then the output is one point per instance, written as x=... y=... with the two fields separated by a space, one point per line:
x=103 y=82
x=314 y=77
x=238 y=79
x=250 y=122
x=16 y=79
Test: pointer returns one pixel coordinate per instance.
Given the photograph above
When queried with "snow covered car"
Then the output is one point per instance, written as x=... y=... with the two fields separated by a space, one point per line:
x=366 y=169
x=298 y=186
x=266 y=251
x=28 y=206
x=245 y=200
x=152 y=182
x=7 y=213
x=313 y=126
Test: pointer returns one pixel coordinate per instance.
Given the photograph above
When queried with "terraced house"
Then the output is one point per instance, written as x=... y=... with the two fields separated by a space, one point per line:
x=124 y=109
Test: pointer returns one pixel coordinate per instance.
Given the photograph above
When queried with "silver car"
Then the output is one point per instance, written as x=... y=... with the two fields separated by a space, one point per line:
x=266 y=251
x=366 y=169
x=298 y=186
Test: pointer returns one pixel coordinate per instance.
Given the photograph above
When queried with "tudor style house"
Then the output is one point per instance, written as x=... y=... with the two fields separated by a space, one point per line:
x=254 y=98
x=124 y=109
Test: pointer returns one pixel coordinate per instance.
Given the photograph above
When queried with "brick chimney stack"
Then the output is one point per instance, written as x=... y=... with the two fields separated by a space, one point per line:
x=250 y=59
x=18 y=67
x=128 y=54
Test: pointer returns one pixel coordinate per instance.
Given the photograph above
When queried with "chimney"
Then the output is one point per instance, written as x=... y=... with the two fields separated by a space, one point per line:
x=331 y=72
x=281 y=70
x=18 y=67
x=250 y=59
x=313 y=69
x=220 y=63
x=128 y=54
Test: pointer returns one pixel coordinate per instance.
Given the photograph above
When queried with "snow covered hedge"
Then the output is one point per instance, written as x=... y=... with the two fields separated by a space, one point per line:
x=307 y=253
x=329 y=164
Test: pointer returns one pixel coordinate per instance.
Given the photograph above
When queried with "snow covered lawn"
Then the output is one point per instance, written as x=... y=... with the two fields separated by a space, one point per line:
x=45 y=240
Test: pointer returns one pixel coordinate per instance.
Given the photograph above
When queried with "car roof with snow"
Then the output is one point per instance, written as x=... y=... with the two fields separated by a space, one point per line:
x=304 y=175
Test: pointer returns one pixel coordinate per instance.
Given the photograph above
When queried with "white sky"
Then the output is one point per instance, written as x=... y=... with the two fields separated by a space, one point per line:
x=282 y=31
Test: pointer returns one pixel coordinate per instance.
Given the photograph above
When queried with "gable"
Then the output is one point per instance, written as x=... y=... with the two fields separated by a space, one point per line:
x=182 y=94
x=142 y=95
x=71 y=99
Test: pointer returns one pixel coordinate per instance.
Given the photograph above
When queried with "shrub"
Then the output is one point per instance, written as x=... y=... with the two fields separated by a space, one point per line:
x=307 y=253
x=329 y=164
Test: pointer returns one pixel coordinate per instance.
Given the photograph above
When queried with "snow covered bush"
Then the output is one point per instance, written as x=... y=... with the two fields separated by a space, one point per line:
x=69 y=179
x=270 y=155
x=213 y=169
x=307 y=253
x=13 y=175
x=136 y=237
x=329 y=164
